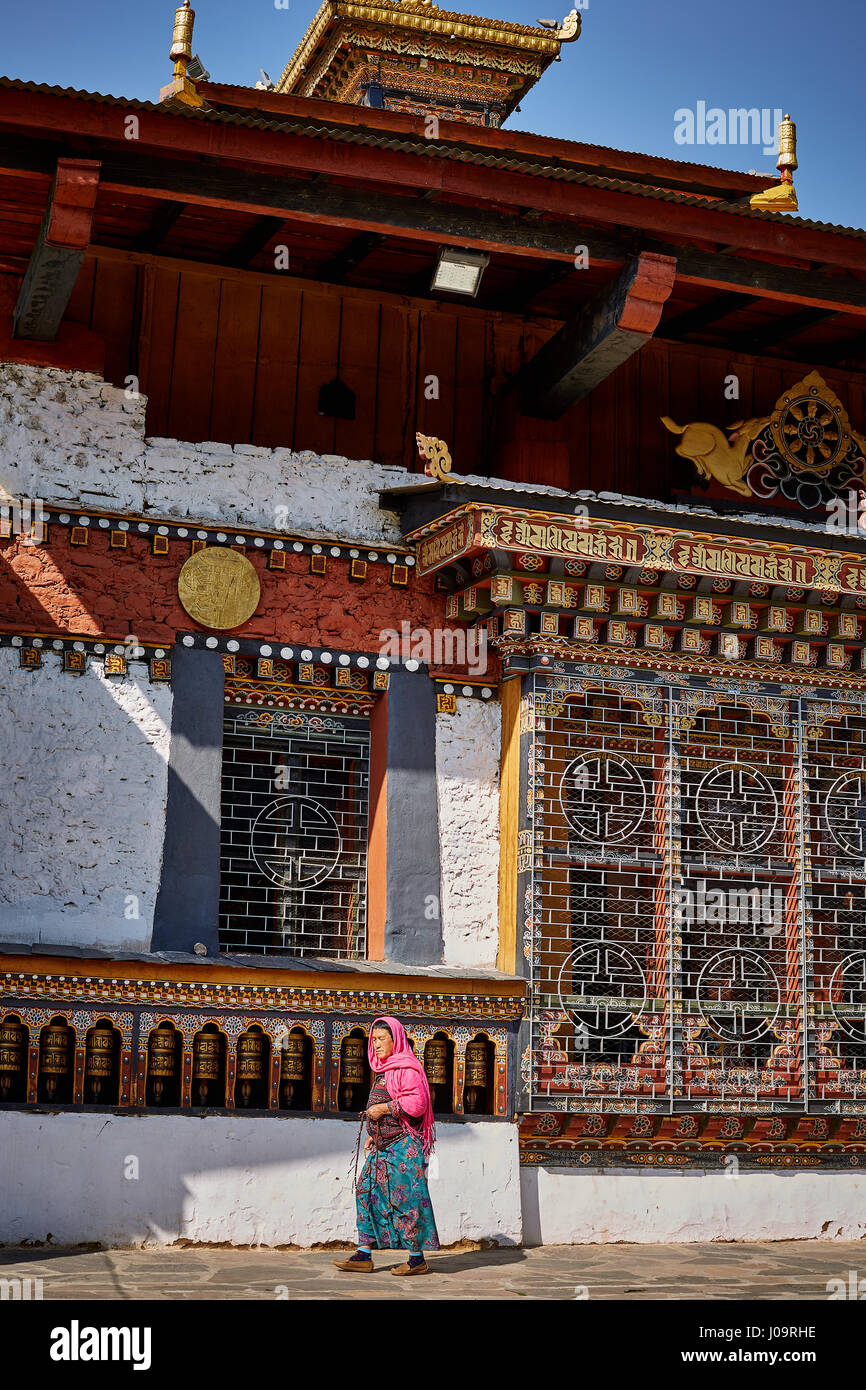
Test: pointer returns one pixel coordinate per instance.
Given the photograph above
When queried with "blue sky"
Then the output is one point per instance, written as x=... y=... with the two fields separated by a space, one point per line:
x=636 y=63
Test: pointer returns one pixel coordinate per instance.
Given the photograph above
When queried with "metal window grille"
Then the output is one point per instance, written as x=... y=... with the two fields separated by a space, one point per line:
x=693 y=871
x=293 y=839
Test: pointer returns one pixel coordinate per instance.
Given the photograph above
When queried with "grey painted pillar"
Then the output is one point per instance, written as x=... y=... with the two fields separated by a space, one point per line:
x=187 y=904
x=413 y=925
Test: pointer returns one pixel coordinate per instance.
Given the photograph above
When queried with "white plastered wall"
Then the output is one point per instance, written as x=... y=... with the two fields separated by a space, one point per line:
x=564 y=1206
x=270 y=1180
x=467 y=783
x=69 y=437
x=82 y=816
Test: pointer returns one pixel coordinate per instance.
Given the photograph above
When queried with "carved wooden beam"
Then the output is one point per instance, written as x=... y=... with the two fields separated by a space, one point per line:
x=612 y=326
x=59 y=250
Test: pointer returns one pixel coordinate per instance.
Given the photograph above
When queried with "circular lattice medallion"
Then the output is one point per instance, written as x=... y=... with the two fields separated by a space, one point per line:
x=738 y=993
x=602 y=988
x=603 y=798
x=845 y=812
x=848 y=996
x=736 y=808
x=296 y=842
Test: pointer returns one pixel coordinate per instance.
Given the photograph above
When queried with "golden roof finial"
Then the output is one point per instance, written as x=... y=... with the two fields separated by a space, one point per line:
x=781 y=197
x=787 y=160
x=181 y=91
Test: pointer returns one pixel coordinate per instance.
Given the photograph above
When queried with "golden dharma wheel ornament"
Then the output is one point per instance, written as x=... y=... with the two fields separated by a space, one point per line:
x=219 y=588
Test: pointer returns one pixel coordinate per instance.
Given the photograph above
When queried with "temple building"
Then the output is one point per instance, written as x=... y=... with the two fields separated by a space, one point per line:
x=433 y=585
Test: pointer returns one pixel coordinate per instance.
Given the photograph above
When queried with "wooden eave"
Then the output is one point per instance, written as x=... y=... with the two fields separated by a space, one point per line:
x=322 y=184
x=675 y=174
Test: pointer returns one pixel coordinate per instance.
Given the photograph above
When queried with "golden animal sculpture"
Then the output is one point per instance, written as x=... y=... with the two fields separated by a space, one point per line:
x=713 y=455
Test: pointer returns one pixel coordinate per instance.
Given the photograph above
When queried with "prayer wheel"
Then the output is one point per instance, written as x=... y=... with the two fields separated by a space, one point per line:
x=476 y=1073
x=353 y=1055
x=436 y=1067
x=13 y=1058
x=161 y=1061
x=55 y=1060
x=251 y=1065
x=99 y=1060
x=292 y=1066
x=206 y=1054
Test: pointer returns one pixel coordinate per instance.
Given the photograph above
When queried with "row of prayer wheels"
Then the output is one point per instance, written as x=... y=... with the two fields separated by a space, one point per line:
x=56 y=1062
x=438 y=1066
x=101 y=1066
x=164 y=1053
x=252 y=1070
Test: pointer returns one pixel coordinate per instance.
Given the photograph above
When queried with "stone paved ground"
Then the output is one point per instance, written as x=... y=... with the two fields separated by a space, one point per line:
x=767 y=1270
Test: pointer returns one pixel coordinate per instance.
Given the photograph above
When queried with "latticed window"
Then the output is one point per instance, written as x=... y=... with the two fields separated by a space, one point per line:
x=693 y=864
x=294 y=833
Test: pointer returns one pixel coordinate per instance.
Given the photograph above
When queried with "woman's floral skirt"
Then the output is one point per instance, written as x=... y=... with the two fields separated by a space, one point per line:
x=394 y=1211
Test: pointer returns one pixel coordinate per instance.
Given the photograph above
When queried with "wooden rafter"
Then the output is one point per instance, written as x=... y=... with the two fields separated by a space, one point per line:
x=612 y=326
x=254 y=240
x=162 y=220
x=536 y=285
x=703 y=315
x=59 y=251
x=337 y=268
x=781 y=329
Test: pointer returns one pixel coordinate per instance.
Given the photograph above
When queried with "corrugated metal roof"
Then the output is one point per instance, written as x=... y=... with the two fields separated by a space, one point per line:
x=779 y=519
x=468 y=154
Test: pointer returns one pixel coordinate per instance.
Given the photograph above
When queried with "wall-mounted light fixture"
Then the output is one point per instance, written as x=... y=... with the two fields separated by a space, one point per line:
x=459 y=271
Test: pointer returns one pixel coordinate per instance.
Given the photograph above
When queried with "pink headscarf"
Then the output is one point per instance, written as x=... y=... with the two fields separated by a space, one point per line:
x=405 y=1079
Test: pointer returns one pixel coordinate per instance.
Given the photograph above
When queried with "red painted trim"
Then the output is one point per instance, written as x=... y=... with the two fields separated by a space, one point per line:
x=270 y=150
x=649 y=293
x=73 y=198
x=220 y=94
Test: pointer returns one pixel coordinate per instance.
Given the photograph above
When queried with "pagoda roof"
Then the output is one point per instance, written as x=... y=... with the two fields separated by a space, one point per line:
x=419 y=18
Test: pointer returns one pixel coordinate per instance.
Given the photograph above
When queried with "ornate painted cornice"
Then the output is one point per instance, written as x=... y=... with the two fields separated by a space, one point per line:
x=419 y=18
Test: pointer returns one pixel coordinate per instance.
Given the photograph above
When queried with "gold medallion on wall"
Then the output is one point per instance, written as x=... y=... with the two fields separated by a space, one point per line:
x=219 y=588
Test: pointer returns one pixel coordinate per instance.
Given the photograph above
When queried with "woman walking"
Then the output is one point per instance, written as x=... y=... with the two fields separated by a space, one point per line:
x=393 y=1203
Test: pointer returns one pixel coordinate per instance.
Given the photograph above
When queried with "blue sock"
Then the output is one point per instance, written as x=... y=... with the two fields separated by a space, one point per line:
x=364 y=1253
x=416 y=1259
